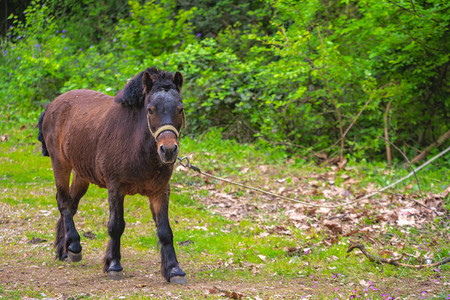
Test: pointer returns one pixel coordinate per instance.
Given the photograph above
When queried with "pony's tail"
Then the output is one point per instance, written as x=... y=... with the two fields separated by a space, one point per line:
x=41 y=136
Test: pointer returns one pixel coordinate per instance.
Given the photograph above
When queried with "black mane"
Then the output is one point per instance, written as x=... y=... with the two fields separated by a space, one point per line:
x=132 y=94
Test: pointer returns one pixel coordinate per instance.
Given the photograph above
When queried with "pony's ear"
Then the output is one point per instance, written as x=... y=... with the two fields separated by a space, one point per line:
x=147 y=82
x=178 y=80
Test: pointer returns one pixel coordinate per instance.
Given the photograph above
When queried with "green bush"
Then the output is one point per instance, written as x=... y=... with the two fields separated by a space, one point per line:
x=297 y=73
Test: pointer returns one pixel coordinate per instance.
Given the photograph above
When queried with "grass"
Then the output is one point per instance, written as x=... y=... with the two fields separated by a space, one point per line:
x=248 y=253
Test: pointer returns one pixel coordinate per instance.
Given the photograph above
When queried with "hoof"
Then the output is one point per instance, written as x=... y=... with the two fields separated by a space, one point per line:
x=178 y=280
x=115 y=275
x=74 y=257
x=64 y=258
x=115 y=270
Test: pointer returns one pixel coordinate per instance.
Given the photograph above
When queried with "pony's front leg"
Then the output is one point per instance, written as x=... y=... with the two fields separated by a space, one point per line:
x=170 y=269
x=116 y=226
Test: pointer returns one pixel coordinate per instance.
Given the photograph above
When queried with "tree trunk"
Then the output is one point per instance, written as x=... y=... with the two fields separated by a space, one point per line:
x=386 y=134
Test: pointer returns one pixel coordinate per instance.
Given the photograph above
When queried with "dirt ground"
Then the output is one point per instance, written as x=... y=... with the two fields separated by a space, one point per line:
x=27 y=267
x=77 y=281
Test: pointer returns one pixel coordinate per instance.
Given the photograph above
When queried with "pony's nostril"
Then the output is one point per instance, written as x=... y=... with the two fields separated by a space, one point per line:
x=162 y=149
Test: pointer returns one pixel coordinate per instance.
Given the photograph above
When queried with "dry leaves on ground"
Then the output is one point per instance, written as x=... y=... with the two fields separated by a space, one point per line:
x=365 y=219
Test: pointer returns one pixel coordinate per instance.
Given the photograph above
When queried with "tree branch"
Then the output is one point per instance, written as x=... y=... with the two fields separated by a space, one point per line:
x=407 y=176
x=425 y=152
x=372 y=95
x=392 y=261
x=410 y=11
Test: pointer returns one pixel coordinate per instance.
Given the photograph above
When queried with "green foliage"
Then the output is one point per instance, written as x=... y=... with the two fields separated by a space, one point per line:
x=212 y=17
x=26 y=62
x=218 y=84
x=88 y=22
x=345 y=57
x=299 y=73
x=154 y=28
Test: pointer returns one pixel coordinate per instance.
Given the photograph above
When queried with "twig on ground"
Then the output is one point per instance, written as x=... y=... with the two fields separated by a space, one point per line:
x=392 y=261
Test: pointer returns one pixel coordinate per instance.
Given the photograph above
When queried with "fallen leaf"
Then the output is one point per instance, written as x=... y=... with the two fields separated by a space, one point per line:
x=90 y=235
x=314 y=183
x=405 y=221
x=233 y=295
x=364 y=283
x=323 y=210
x=263 y=168
x=263 y=234
x=45 y=213
x=36 y=240
x=185 y=243
x=341 y=164
x=345 y=176
x=204 y=228
x=334 y=226
x=385 y=252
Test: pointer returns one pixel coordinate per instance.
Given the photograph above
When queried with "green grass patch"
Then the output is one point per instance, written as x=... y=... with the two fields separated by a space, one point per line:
x=211 y=246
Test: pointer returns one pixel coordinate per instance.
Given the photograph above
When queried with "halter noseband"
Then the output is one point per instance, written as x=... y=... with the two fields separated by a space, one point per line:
x=166 y=128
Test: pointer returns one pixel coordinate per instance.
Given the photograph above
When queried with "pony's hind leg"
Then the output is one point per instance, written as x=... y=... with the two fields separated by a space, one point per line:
x=170 y=269
x=78 y=189
x=67 y=240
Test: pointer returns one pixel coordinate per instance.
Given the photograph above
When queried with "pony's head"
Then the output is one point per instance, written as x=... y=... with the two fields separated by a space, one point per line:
x=165 y=112
x=159 y=93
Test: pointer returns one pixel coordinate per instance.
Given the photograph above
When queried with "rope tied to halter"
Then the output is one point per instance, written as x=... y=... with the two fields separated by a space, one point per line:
x=184 y=161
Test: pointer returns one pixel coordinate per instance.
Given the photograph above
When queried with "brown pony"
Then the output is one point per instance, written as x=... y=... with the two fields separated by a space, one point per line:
x=127 y=144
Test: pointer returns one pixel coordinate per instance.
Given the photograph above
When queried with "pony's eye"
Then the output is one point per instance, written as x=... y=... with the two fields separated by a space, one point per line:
x=150 y=110
x=181 y=111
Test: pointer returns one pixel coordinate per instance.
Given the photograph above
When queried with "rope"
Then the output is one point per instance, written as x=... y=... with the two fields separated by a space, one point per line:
x=184 y=161
x=187 y=164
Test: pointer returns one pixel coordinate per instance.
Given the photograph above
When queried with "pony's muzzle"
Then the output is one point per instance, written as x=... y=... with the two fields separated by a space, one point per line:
x=168 y=154
x=167 y=147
